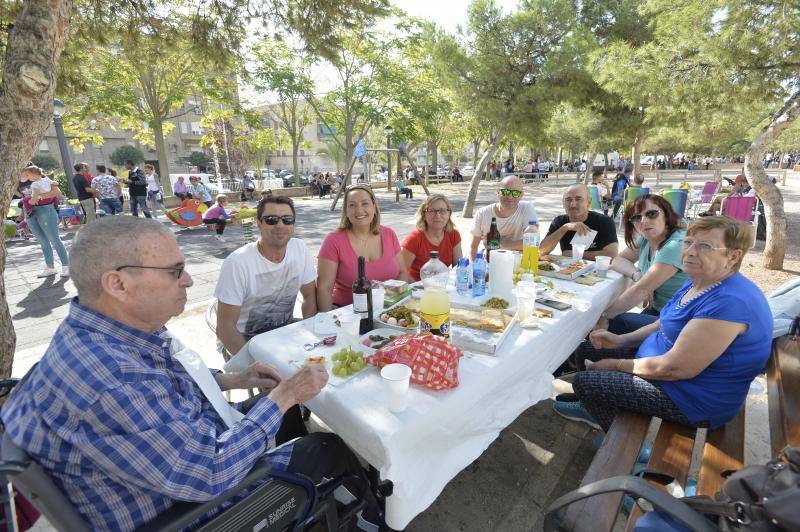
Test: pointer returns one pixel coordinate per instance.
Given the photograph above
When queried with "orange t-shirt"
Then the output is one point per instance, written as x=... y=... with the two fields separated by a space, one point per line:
x=418 y=244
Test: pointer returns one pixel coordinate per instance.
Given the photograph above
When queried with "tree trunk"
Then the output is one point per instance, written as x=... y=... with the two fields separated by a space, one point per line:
x=422 y=180
x=476 y=147
x=31 y=58
x=775 y=247
x=587 y=176
x=637 y=155
x=433 y=157
x=494 y=143
x=161 y=155
x=295 y=167
x=345 y=182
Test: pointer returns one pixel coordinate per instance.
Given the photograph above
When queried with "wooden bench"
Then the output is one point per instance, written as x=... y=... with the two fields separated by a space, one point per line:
x=672 y=449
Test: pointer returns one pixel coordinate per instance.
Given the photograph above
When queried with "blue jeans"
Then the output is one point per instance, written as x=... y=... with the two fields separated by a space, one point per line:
x=631 y=321
x=136 y=201
x=44 y=224
x=111 y=205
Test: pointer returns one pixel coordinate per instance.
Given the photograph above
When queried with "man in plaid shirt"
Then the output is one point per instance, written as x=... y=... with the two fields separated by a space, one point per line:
x=114 y=418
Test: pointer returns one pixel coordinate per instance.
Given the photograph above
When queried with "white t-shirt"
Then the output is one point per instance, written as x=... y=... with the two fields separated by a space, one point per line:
x=152 y=182
x=510 y=228
x=41 y=186
x=265 y=291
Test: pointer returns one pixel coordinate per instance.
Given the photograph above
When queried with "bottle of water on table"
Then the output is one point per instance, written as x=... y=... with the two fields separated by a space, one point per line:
x=478 y=276
x=462 y=276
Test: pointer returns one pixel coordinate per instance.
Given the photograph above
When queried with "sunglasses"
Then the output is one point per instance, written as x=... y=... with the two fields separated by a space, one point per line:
x=508 y=192
x=272 y=219
x=651 y=215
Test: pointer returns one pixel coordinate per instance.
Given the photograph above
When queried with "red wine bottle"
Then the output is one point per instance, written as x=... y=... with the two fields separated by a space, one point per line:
x=362 y=298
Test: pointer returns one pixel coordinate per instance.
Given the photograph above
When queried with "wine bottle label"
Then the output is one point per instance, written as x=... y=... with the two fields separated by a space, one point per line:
x=438 y=324
x=360 y=304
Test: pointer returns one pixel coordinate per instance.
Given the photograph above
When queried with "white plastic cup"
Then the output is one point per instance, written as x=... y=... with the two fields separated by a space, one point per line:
x=395 y=384
x=378 y=295
x=577 y=251
x=526 y=297
x=602 y=263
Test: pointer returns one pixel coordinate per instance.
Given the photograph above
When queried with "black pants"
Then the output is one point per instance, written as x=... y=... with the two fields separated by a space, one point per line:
x=219 y=222
x=324 y=455
x=408 y=192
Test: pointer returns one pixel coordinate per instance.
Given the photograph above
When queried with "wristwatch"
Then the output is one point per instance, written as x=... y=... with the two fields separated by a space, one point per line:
x=636 y=275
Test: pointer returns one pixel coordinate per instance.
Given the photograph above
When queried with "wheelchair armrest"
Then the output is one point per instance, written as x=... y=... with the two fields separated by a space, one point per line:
x=181 y=514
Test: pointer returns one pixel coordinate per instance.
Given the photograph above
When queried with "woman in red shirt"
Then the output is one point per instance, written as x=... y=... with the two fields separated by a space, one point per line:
x=435 y=232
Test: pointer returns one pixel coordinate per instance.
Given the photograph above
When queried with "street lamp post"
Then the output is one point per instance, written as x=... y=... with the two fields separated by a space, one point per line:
x=388 y=130
x=58 y=111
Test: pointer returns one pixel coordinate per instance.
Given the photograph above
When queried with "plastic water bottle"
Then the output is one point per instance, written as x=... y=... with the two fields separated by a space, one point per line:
x=478 y=276
x=434 y=272
x=462 y=276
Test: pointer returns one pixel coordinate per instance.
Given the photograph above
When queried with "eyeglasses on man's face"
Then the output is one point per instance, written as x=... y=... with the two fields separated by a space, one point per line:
x=437 y=212
x=176 y=271
x=650 y=215
x=506 y=192
x=701 y=248
x=272 y=219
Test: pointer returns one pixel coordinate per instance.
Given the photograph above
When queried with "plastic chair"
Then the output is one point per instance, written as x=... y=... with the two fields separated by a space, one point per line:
x=678 y=199
x=631 y=193
x=742 y=208
x=710 y=189
x=594 y=196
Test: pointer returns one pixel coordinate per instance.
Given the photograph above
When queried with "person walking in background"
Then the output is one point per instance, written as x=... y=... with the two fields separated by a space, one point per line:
x=137 y=187
x=43 y=221
x=118 y=189
x=106 y=186
x=154 y=196
x=218 y=216
x=85 y=193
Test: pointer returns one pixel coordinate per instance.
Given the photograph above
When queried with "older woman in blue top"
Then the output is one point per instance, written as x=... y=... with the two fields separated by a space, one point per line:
x=652 y=260
x=694 y=365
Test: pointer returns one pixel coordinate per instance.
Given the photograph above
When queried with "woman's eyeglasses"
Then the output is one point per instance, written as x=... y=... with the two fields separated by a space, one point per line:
x=438 y=212
x=506 y=192
x=272 y=219
x=651 y=215
x=702 y=248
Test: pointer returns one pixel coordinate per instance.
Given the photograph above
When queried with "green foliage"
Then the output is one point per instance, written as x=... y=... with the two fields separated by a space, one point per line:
x=48 y=163
x=61 y=180
x=127 y=151
x=333 y=151
x=198 y=159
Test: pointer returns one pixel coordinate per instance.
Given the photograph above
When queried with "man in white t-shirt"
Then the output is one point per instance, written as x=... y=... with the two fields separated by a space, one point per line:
x=511 y=213
x=259 y=282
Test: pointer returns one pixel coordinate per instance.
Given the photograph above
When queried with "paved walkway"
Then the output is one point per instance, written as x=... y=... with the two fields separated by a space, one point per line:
x=537 y=458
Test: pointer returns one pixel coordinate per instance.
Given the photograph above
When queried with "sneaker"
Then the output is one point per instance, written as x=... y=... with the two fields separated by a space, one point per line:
x=575 y=412
x=65 y=271
x=567 y=397
x=47 y=272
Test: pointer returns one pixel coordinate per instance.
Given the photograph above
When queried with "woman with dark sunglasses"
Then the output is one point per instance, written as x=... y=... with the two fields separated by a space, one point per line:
x=652 y=260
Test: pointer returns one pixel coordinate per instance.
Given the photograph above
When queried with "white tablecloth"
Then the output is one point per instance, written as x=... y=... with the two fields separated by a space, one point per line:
x=423 y=448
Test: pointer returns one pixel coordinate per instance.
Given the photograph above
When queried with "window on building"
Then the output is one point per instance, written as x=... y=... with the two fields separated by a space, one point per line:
x=302 y=153
x=44 y=146
x=325 y=131
x=196 y=129
x=173 y=148
x=184 y=128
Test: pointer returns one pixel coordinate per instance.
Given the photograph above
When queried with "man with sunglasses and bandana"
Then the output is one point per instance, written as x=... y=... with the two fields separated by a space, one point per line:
x=127 y=421
x=580 y=220
x=511 y=213
x=259 y=282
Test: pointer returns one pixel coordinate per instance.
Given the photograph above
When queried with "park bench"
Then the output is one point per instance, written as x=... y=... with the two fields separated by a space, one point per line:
x=672 y=450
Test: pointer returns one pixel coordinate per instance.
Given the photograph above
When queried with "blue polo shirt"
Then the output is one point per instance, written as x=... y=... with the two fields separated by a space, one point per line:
x=718 y=392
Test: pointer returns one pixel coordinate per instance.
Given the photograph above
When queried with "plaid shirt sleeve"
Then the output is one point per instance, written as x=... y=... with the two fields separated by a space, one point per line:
x=147 y=436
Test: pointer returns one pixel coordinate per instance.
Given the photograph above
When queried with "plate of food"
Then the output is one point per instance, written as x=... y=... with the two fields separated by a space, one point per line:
x=567 y=268
x=342 y=363
x=402 y=316
x=378 y=338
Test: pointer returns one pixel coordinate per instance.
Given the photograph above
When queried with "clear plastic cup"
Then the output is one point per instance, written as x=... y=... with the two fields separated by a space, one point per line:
x=602 y=263
x=378 y=295
x=395 y=384
x=577 y=251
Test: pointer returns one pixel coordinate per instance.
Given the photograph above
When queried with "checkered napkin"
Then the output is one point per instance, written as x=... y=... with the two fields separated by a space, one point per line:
x=433 y=361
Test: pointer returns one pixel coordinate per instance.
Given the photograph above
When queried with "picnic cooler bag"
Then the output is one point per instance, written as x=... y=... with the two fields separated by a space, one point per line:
x=433 y=361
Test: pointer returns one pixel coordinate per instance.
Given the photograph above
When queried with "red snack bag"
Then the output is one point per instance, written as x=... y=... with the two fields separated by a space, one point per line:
x=433 y=361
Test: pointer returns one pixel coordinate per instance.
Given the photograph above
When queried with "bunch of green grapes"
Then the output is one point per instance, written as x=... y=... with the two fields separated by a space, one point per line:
x=347 y=362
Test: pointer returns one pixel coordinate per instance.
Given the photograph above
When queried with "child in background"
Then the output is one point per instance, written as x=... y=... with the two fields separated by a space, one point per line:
x=217 y=215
